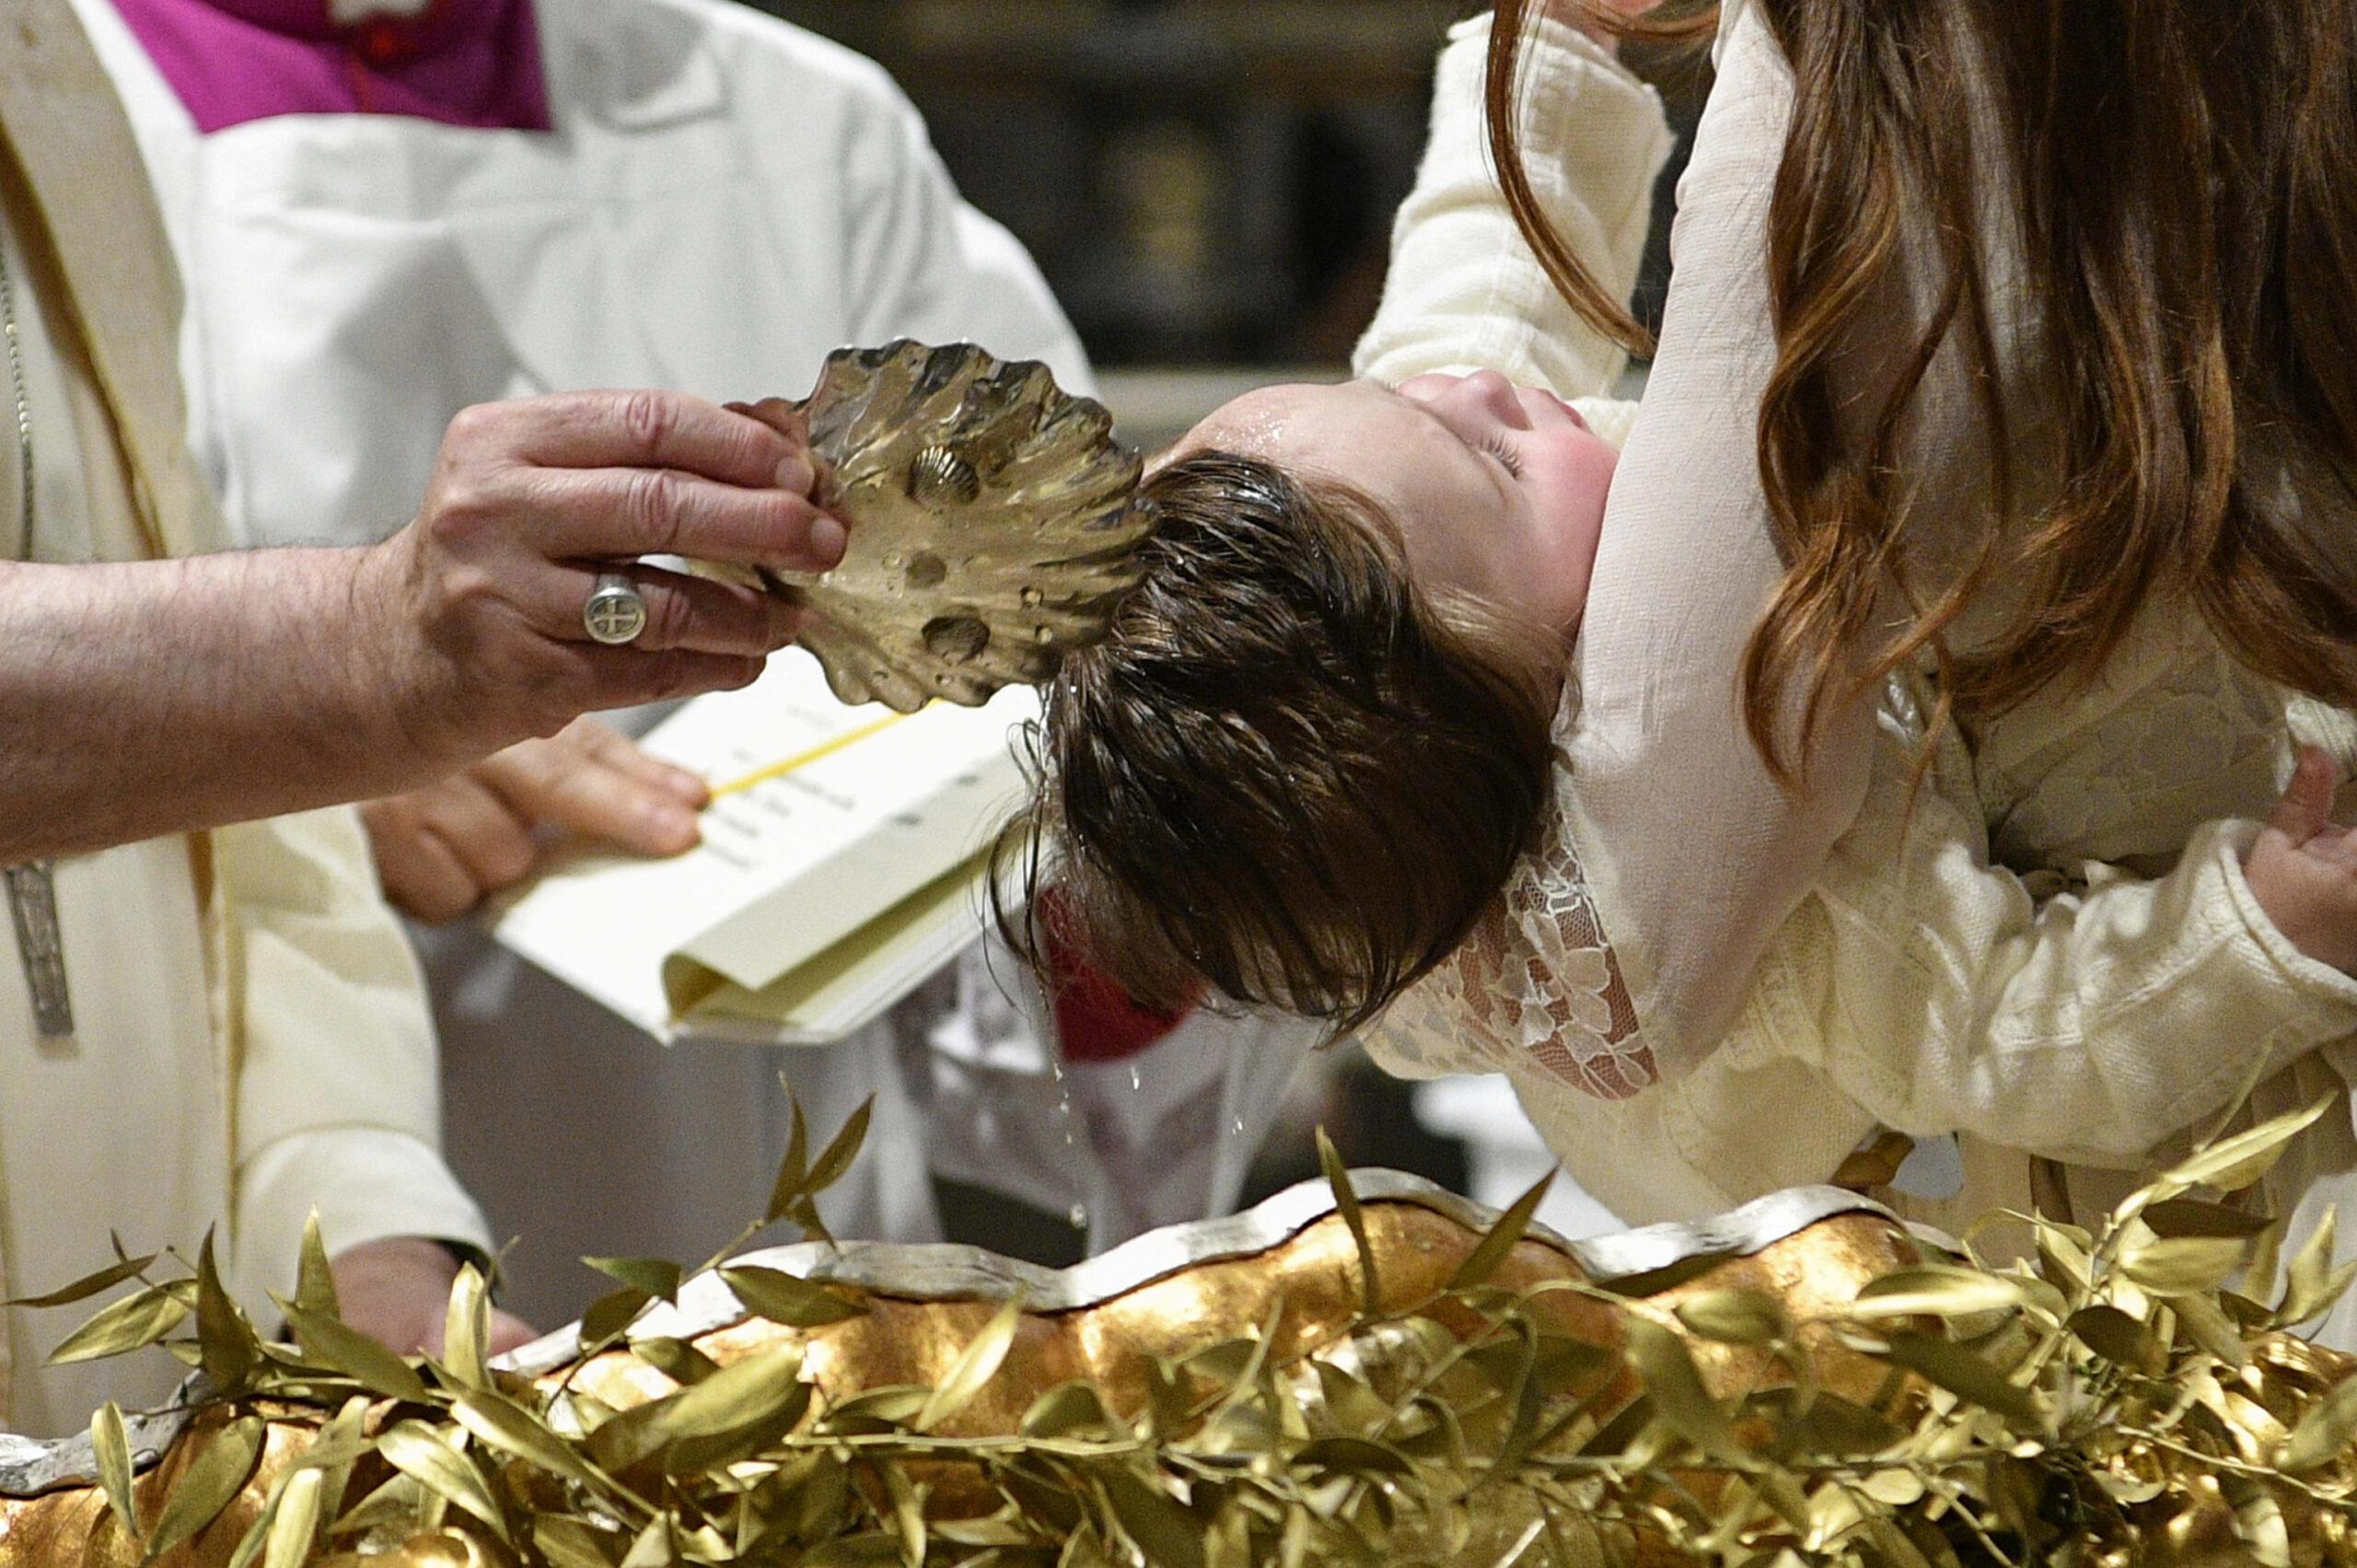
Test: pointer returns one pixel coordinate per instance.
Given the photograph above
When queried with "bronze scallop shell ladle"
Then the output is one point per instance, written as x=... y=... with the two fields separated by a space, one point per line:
x=992 y=524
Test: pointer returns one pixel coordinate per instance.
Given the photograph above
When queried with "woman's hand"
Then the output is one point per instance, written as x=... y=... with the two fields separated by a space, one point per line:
x=2303 y=870
x=442 y=849
x=479 y=602
x=397 y=1290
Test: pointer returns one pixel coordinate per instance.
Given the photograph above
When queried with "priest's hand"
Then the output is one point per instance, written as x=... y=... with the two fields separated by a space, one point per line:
x=442 y=849
x=397 y=1290
x=479 y=602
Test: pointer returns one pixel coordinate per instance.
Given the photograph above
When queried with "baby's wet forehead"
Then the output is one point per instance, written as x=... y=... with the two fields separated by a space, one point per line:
x=1278 y=423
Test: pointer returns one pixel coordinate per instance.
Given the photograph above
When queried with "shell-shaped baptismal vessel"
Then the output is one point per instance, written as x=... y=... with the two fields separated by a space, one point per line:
x=991 y=518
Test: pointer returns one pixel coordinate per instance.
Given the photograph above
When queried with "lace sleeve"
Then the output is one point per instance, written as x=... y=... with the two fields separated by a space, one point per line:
x=1535 y=983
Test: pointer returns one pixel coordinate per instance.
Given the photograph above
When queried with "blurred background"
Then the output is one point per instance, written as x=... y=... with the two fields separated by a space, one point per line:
x=1209 y=186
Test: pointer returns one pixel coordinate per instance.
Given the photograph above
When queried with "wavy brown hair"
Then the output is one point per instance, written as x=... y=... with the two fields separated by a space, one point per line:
x=1286 y=772
x=2184 y=177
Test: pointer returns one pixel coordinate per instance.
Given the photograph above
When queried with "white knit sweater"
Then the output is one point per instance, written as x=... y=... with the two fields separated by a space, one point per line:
x=2053 y=954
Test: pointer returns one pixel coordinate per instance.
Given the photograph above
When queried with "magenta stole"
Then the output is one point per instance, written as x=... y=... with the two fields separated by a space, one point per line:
x=473 y=63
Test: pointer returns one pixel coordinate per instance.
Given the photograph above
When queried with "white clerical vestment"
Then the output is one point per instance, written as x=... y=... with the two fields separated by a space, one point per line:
x=251 y=1037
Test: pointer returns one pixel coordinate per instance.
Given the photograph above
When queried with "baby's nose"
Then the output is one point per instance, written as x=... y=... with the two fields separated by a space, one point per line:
x=1493 y=394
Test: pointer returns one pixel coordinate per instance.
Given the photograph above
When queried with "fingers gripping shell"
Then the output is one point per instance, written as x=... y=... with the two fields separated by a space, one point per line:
x=991 y=522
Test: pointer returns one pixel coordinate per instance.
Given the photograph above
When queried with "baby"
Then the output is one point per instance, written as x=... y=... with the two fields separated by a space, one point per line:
x=1320 y=733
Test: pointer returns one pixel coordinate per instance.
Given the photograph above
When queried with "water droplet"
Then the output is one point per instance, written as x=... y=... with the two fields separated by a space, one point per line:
x=956 y=639
x=1043 y=634
x=895 y=563
x=1077 y=1215
x=1134 y=1084
x=1032 y=597
x=1236 y=1127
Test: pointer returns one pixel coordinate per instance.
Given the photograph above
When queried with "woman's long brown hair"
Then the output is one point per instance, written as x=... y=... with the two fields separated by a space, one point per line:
x=2186 y=179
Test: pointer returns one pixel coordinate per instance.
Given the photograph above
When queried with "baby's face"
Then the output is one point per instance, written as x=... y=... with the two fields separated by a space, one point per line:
x=1499 y=491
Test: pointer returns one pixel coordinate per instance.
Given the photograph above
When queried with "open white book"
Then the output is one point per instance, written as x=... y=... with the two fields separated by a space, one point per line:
x=843 y=862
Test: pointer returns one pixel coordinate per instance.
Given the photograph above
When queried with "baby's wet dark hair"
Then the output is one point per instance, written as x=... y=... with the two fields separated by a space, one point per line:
x=1287 y=773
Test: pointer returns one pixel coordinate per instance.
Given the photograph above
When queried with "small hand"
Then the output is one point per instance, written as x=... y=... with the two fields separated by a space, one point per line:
x=442 y=849
x=473 y=612
x=2303 y=870
x=397 y=1290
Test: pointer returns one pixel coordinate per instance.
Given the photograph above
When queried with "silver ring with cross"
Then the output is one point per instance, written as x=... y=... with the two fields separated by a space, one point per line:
x=616 y=610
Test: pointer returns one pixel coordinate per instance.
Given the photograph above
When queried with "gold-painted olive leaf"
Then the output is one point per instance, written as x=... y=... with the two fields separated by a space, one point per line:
x=2120 y=1340
x=1351 y=1404
x=2323 y=1434
x=834 y=1161
x=1346 y=1202
x=2062 y=1259
x=394 y=1504
x=2185 y=1265
x=653 y=1547
x=676 y=1359
x=875 y=1550
x=217 y=1473
x=1736 y=1317
x=89 y=1285
x=2232 y=1164
x=466 y=1330
x=417 y=1450
x=793 y=1171
x=729 y=1415
x=132 y=1323
x=1834 y=1427
x=2260 y=1526
x=500 y=1423
x=1166 y=1534
x=650 y=1276
x=2191 y=1216
x=975 y=1367
x=1965 y=1374
x=295 y=1524
x=568 y=1544
x=1499 y=1241
x=784 y=1299
x=228 y=1342
x=110 y=1445
x=895 y=1405
x=1667 y=1370
x=314 y=1279
x=1353 y=1456
x=611 y=1315
x=2206 y=1324
x=1935 y=1290
x=2311 y=1283
x=1065 y=1409
x=330 y=1342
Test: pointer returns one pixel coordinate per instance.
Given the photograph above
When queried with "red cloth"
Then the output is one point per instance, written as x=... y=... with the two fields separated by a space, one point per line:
x=1096 y=1020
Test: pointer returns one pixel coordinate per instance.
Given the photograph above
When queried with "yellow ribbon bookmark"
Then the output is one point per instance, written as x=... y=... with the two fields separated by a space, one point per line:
x=804 y=759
